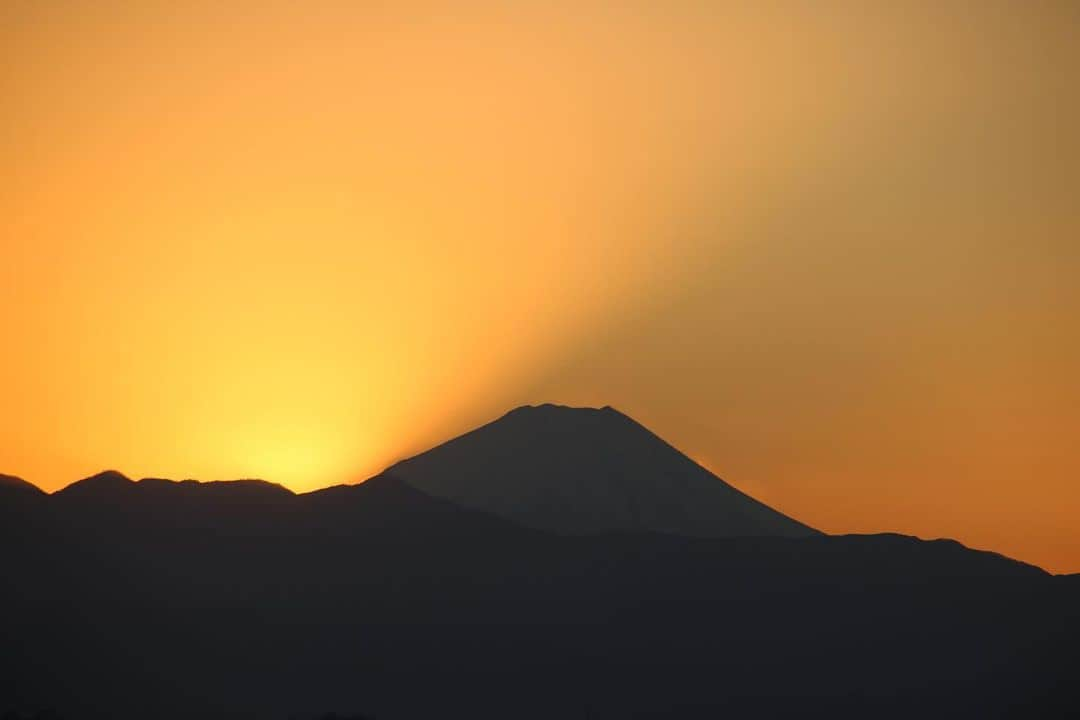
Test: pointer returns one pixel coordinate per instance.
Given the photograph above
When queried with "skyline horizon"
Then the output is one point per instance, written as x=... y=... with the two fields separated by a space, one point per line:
x=830 y=254
x=387 y=472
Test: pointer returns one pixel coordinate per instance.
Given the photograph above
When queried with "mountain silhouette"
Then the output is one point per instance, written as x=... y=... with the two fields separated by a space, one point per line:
x=386 y=504
x=584 y=470
x=178 y=599
x=16 y=491
x=11 y=486
x=111 y=485
x=18 y=498
x=102 y=485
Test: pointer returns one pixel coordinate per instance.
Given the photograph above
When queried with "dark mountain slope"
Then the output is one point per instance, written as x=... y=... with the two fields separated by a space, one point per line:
x=103 y=486
x=163 y=599
x=377 y=598
x=385 y=504
x=11 y=486
x=18 y=499
x=581 y=470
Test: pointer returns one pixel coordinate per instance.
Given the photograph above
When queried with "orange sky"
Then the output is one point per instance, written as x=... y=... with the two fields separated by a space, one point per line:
x=829 y=249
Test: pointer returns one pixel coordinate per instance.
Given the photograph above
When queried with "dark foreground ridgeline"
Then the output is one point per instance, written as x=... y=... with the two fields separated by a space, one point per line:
x=159 y=599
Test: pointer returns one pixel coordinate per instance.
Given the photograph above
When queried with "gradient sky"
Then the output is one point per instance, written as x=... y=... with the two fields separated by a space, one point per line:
x=831 y=250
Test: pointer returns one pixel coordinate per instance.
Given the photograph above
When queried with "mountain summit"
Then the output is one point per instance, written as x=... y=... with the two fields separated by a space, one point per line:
x=586 y=470
x=11 y=485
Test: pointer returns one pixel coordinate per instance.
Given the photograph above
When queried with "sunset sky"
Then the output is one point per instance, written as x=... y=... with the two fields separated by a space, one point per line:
x=831 y=250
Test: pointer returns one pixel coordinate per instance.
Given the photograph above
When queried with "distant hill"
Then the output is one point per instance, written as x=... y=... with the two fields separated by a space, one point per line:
x=153 y=598
x=17 y=497
x=11 y=486
x=584 y=470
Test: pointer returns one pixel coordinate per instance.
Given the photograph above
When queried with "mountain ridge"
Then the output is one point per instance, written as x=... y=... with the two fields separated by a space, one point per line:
x=129 y=599
x=12 y=483
x=106 y=487
x=580 y=470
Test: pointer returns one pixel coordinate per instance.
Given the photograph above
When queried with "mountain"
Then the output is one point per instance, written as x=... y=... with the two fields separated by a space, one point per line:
x=11 y=486
x=386 y=504
x=18 y=498
x=112 y=485
x=109 y=503
x=102 y=485
x=583 y=470
x=154 y=598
